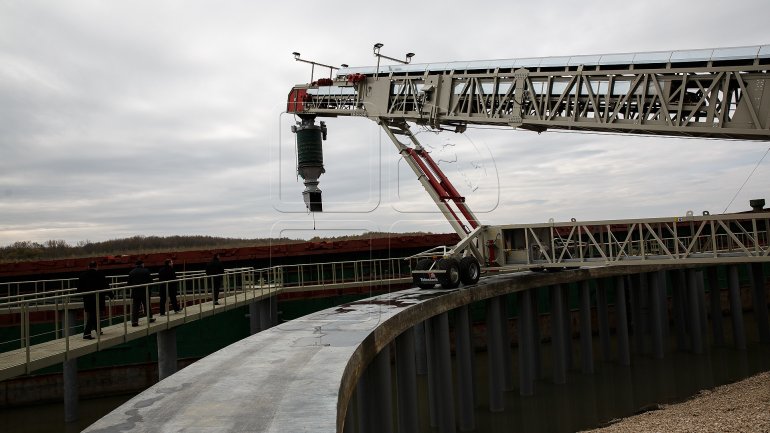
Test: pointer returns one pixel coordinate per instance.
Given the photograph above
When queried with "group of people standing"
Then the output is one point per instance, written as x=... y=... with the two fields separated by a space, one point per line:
x=139 y=279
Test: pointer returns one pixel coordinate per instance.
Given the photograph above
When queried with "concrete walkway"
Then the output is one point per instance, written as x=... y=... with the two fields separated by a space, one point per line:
x=299 y=376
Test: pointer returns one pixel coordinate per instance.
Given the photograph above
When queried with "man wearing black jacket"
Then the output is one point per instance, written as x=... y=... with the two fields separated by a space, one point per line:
x=140 y=295
x=215 y=269
x=91 y=280
x=168 y=287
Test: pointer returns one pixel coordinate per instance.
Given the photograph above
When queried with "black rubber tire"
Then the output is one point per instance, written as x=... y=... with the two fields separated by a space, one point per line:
x=470 y=270
x=422 y=265
x=451 y=278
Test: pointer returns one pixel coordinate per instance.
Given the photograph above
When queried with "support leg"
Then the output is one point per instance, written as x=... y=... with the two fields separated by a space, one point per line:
x=736 y=308
x=664 y=315
x=656 y=328
x=406 y=388
x=495 y=355
x=167 y=355
x=421 y=360
x=253 y=317
x=586 y=333
x=70 y=373
x=636 y=314
x=557 y=336
x=443 y=364
x=567 y=327
x=266 y=318
x=375 y=396
x=760 y=302
x=680 y=312
x=704 y=333
x=715 y=298
x=694 y=312
x=603 y=318
x=624 y=355
x=526 y=344
x=506 y=344
x=464 y=354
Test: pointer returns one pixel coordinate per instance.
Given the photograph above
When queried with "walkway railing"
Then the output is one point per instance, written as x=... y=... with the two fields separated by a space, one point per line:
x=694 y=239
x=30 y=313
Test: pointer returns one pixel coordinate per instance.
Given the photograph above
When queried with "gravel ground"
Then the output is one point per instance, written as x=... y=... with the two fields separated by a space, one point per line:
x=738 y=407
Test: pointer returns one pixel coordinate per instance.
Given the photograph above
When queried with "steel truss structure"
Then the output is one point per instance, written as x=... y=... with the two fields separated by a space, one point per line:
x=714 y=93
x=718 y=97
x=692 y=239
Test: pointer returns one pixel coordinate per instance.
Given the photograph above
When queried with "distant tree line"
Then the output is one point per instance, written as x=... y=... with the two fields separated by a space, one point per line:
x=60 y=249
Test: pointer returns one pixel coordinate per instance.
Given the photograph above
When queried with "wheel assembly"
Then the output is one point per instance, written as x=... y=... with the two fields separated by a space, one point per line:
x=470 y=271
x=451 y=277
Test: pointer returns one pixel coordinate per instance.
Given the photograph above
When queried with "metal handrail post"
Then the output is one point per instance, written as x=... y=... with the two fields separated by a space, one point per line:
x=166 y=303
x=98 y=320
x=111 y=299
x=56 y=319
x=125 y=318
x=202 y=287
x=25 y=319
x=66 y=329
x=147 y=304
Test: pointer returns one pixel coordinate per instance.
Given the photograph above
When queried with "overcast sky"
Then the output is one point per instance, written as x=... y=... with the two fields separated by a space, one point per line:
x=122 y=118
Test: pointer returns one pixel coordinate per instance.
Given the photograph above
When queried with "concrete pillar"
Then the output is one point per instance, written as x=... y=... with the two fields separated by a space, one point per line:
x=365 y=396
x=759 y=297
x=656 y=326
x=586 y=332
x=664 y=322
x=495 y=355
x=557 y=336
x=384 y=389
x=567 y=327
x=253 y=317
x=506 y=344
x=680 y=312
x=432 y=385
x=538 y=370
x=464 y=356
x=167 y=356
x=526 y=344
x=702 y=307
x=70 y=373
x=624 y=355
x=736 y=307
x=350 y=418
x=636 y=313
x=421 y=360
x=273 y=308
x=442 y=364
x=406 y=388
x=694 y=312
x=644 y=307
x=375 y=396
x=715 y=295
x=266 y=313
x=603 y=319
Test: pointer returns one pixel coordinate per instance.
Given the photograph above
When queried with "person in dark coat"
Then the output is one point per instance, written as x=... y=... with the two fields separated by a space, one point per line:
x=168 y=287
x=91 y=280
x=139 y=295
x=215 y=269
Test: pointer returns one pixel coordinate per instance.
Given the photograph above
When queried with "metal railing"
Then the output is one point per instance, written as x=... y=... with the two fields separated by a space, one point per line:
x=30 y=312
x=693 y=239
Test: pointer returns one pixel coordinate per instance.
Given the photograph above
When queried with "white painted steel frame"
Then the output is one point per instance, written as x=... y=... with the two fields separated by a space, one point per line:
x=707 y=239
x=719 y=96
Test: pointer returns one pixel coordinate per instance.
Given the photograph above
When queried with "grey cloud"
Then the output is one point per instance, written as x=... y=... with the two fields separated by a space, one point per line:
x=149 y=118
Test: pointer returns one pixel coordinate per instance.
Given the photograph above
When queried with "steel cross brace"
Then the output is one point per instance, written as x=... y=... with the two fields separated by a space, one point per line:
x=437 y=186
